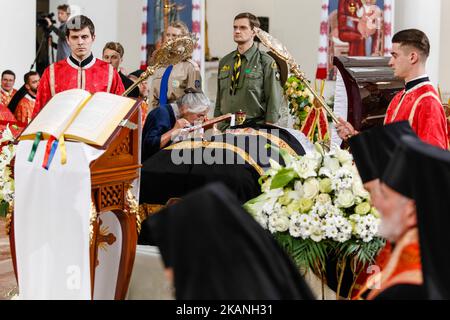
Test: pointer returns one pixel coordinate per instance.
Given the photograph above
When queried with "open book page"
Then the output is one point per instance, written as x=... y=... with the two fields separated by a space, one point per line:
x=57 y=114
x=98 y=120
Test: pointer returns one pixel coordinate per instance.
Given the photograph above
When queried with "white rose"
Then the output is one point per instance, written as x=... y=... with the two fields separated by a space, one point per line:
x=278 y=223
x=324 y=198
x=331 y=163
x=311 y=188
x=345 y=199
x=344 y=156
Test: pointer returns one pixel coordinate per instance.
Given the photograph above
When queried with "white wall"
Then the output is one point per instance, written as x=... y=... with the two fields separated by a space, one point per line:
x=426 y=16
x=114 y=20
x=296 y=23
x=18 y=42
x=444 y=77
x=129 y=32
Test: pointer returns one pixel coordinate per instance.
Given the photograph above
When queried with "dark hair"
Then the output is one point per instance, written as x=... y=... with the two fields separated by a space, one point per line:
x=254 y=21
x=8 y=72
x=27 y=76
x=79 y=23
x=413 y=38
x=64 y=7
x=115 y=46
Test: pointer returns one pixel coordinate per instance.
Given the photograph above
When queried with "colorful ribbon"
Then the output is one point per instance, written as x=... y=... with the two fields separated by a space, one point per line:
x=35 y=146
x=63 y=150
x=316 y=118
x=50 y=149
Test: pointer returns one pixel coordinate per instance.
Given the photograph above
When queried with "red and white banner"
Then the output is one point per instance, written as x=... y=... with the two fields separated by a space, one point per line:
x=198 y=22
x=143 y=64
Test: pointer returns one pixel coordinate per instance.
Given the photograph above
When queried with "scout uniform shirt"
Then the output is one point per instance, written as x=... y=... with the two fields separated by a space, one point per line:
x=259 y=91
x=185 y=74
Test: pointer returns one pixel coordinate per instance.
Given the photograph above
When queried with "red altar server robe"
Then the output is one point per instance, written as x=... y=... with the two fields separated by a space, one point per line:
x=423 y=109
x=5 y=97
x=92 y=74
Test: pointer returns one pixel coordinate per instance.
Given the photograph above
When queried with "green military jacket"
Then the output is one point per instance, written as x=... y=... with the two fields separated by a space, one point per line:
x=259 y=92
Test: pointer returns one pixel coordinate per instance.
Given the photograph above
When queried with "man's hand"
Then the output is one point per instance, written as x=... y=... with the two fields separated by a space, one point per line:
x=181 y=123
x=345 y=130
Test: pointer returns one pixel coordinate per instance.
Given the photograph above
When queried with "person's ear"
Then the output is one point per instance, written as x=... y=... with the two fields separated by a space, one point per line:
x=413 y=57
x=411 y=214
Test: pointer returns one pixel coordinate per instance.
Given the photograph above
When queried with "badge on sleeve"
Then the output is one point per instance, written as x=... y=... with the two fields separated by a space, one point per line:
x=198 y=84
x=175 y=84
x=277 y=76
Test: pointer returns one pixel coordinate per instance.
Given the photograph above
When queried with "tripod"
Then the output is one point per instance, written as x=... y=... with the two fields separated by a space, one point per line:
x=50 y=58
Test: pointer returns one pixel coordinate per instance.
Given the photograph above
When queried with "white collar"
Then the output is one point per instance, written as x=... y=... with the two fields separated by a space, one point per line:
x=73 y=65
x=29 y=97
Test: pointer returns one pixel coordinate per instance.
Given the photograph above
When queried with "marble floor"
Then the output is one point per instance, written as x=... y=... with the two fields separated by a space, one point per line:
x=8 y=283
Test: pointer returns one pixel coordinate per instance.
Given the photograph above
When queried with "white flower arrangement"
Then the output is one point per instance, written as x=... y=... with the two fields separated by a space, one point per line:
x=321 y=197
x=7 y=154
x=316 y=206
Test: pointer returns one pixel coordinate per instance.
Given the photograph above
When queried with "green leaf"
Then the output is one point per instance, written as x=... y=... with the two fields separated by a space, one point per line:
x=3 y=208
x=283 y=178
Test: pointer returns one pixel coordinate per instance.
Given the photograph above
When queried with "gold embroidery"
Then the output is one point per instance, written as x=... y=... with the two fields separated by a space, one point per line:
x=52 y=80
x=413 y=110
x=277 y=141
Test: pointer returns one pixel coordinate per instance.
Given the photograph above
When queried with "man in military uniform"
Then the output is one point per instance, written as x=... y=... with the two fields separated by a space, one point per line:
x=249 y=79
x=168 y=84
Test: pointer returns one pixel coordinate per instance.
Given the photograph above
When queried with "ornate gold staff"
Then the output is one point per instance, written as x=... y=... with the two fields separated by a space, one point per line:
x=172 y=52
x=281 y=51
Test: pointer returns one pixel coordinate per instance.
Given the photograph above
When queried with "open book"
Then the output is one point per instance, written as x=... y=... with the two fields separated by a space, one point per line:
x=78 y=115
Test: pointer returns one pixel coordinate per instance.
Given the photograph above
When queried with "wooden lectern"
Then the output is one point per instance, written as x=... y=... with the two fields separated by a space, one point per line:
x=111 y=177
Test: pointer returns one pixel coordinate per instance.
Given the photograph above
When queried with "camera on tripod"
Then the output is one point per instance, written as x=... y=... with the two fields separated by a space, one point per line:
x=41 y=19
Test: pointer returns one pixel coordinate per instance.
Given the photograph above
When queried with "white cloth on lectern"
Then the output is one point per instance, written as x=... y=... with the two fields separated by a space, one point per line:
x=51 y=221
x=340 y=106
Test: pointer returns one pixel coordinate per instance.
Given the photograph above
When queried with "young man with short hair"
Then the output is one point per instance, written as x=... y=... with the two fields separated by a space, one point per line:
x=25 y=107
x=80 y=70
x=113 y=53
x=419 y=102
x=249 y=79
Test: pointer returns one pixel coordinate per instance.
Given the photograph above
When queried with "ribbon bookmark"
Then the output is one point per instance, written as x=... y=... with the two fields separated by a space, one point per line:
x=35 y=146
x=63 y=150
x=50 y=149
